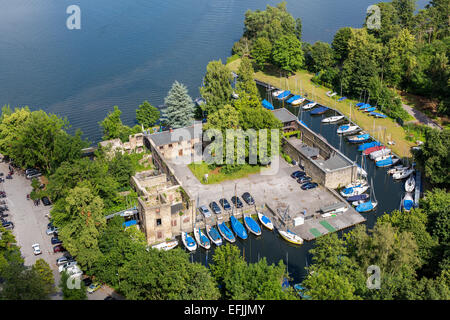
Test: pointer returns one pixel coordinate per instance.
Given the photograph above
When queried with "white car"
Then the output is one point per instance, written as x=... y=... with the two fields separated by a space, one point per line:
x=67 y=266
x=36 y=249
x=74 y=271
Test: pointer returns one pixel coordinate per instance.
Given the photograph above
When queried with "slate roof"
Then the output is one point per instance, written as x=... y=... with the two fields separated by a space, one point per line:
x=177 y=135
x=284 y=115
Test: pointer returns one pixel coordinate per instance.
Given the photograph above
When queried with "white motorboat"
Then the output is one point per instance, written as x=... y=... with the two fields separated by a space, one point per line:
x=347 y=128
x=297 y=101
x=402 y=174
x=332 y=119
x=380 y=153
x=410 y=184
x=309 y=105
x=166 y=245
x=276 y=93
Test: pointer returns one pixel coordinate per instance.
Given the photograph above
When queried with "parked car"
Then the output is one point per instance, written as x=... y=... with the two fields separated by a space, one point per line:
x=225 y=204
x=204 y=210
x=55 y=240
x=248 y=198
x=8 y=225
x=3 y=215
x=94 y=287
x=52 y=230
x=31 y=171
x=36 y=249
x=50 y=224
x=63 y=260
x=34 y=175
x=110 y=298
x=215 y=207
x=237 y=202
x=46 y=201
x=67 y=266
x=58 y=248
x=298 y=174
x=309 y=185
x=304 y=179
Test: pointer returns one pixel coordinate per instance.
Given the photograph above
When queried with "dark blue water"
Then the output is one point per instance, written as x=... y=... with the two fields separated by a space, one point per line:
x=130 y=51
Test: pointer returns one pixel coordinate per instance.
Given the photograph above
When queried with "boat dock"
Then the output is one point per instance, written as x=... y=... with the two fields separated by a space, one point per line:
x=418 y=189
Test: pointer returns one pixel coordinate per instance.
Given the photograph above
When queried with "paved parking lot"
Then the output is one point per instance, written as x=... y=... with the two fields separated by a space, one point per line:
x=277 y=191
x=30 y=225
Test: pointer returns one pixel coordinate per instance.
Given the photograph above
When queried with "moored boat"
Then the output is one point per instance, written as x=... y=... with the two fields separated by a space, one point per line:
x=283 y=95
x=188 y=241
x=225 y=232
x=359 y=138
x=252 y=226
x=366 y=206
x=407 y=202
x=291 y=237
x=358 y=197
x=379 y=153
x=402 y=174
x=309 y=105
x=265 y=221
x=373 y=149
x=387 y=162
x=276 y=93
x=368 y=145
x=238 y=228
x=410 y=184
x=298 y=101
x=202 y=239
x=347 y=128
x=213 y=235
x=166 y=245
x=353 y=191
x=318 y=111
x=332 y=119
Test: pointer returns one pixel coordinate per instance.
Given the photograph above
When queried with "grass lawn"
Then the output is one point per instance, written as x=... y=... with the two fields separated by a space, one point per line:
x=215 y=176
x=382 y=129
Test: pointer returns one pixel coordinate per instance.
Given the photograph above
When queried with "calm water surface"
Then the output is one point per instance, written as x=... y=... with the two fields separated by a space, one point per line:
x=130 y=51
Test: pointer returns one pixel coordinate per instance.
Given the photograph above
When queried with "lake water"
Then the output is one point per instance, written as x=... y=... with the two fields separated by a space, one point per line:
x=130 y=51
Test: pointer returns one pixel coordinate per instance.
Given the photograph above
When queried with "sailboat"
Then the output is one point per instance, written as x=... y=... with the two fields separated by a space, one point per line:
x=402 y=174
x=252 y=225
x=297 y=101
x=379 y=153
x=347 y=128
x=310 y=105
x=368 y=145
x=353 y=191
x=369 y=205
x=225 y=232
x=389 y=161
x=238 y=228
x=397 y=169
x=410 y=184
x=265 y=221
x=359 y=197
x=332 y=119
x=290 y=236
x=359 y=138
x=373 y=149
x=188 y=241
x=407 y=202
x=213 y=235
x=276 y=93
x=201 y=239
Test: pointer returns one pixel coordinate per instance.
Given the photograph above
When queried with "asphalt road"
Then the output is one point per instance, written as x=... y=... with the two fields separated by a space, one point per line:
x=30 y=226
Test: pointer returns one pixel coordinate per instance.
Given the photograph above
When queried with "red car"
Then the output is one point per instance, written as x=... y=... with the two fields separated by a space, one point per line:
x=58 y=248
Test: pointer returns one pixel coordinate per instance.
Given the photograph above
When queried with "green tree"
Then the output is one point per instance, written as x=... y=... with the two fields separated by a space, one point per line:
x=44 y=271
x=245 y=84
x=405 y=10
x=147 y=115
x=70 y=292
x=436 y=204
x=217 y=88
x=179 y=106
x=340 y=44
x=321 y=57
x=298 y=29
x=121 y=169
x=261 y=51
x=327 y=284
x=288 y=54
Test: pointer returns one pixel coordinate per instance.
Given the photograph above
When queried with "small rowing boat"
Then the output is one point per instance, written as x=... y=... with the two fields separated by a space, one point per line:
x=252 y=226
x=347 y=128
x=166 y=245
x=225 y=232
x=265 y=221
x=213 y=235
x=202 y=239
x=238 y=228
x=188 y=241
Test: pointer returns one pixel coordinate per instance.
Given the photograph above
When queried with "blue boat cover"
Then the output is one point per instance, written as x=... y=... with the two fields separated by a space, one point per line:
x=319 y=110
x=226 y=231
x=204 y=239
x=252 y=224
x=265 y=219
x=359 y=104
x=129 y=223
x=408 y=204
x=368 y=145
x=190 y=241
x=293 y=98
x=214 y=233
x=343 y=98
x=266 y=104
x=384 y=163
x=379 y=115
x=238 y=228
x=344 y=127
x=370 y=109
x=358 y=197
x=365 y=206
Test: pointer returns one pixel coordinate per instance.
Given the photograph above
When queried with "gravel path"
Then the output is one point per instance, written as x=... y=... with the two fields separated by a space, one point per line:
x=421 y=117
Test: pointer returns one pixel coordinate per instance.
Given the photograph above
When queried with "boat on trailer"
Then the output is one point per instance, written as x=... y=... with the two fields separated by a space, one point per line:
x=225 y=232
x=188 y=241
x=332 y=119
x=202 y=239
x=252 y=225
x=265 y=221
x=213 y=235
x=291 y=237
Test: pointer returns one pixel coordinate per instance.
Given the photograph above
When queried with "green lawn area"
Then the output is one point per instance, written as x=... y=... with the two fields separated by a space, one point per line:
x=385 y=129
x=215 y=176
x=136 y=157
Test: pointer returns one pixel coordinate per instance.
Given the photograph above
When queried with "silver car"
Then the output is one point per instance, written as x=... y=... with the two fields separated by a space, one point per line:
x=205 y=211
